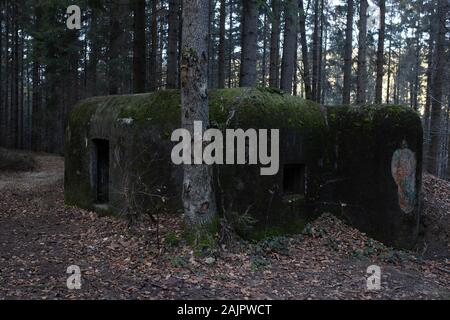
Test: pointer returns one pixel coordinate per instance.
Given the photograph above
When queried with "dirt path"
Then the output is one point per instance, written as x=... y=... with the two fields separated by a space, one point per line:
x=50 y=170
x=40 y=238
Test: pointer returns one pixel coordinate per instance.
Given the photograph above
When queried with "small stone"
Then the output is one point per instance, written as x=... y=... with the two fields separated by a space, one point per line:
x=210 y=260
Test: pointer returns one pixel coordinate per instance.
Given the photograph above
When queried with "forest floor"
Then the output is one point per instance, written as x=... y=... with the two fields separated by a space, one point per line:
x=40 y=237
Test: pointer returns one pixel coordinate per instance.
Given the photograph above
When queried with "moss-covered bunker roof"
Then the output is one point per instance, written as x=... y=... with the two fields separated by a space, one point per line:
x=371 y=114
x=253 y=107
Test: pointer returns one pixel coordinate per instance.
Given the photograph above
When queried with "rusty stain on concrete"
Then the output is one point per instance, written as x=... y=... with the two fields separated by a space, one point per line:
x=403 y=167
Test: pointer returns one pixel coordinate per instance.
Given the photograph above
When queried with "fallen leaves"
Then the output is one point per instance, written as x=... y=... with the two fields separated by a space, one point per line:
x=40 y=237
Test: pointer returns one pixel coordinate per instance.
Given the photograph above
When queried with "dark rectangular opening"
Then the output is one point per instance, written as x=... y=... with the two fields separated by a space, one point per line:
x=294 y=179
x=101 y=170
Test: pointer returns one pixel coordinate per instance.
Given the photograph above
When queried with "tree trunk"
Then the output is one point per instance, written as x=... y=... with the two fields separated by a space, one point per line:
x=388 y=89
x=21 y=92
x=198 y=196
x=221 y=71
x=438 y=83
x=139 y=47
x=113 y=56
x=249 y=43
x=306 y=73
x=320 y=59
x=264 y=56
x=380 y=53
x=230 y=48
x=94 y=55
x=2 y=110
x=323 y=62
x=274 y=68
x=315 y=52
x=7 y=93
x=362 y=54
x=348 y=55
x=15 y=82
x=430 y=68
x=289 y=46
x=448 y=127
x=418 y=62
x=36 y=136
x=172 y=49
x=160 y=56
x=154 y=47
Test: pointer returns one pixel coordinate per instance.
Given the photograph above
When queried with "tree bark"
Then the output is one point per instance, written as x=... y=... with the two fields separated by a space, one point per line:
x=172 y=49
x=2 y=109
x=154 y=47
x=36 y=136
x=388 y=89
x=113 y=55
x=139 y=44
x=362 y=54
x=417 y=83
x=230 y=47
x=306 y=68
x=448 y=127
x=94 y=55
x=249 y=43
x=348 y=55
x=320 y=58
x=274 y=68
x=315 y=52
x=380 y=53
x=289 y=46
x=437 y=91
x=429 y=73
x=222 y=30
x=198 y=196
x=264 y=56
x=15 y=82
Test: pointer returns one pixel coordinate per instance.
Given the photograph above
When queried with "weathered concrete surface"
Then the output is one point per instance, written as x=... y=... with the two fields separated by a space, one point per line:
x=377 y=170
x=139 y=129
x=361 y=163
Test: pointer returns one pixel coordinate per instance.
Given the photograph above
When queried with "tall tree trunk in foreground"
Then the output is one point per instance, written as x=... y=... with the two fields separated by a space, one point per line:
x=437 y=92
x=380 y=53
x=348 y=53
x=172 y=49
x=198 y=196
x=289 y=46
x=249 y=43
x=306 y=73
x=139 y=68
x=223 y=16
x=275 y=45
x=362 y=54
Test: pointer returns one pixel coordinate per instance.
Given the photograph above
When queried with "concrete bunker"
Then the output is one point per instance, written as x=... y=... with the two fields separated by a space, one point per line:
x=341 y=158
x=294 y=179
x=100 y=170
